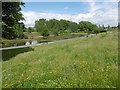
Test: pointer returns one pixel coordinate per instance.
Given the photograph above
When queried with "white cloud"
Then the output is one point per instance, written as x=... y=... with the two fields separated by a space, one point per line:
x=93 y=7
x=31 y=17
x=66 y=8
x=95 y=15
x=104 y=13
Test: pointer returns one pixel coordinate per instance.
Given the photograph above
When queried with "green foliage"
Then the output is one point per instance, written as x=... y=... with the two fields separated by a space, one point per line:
x=53 y=26
x=63 y=26
x=55 y=31
x=88 y=27
x=56 y=27
x=32 y=34
x=30 y=30
x=60 y=27
x=108 y=27
x=73 y=26
x=45 y=32
x=102 y=30
x=19 y=30
x=41 y=27
x=11 y=16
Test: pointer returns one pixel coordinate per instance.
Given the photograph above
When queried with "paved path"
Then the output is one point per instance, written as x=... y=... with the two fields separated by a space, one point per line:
x=44 y=43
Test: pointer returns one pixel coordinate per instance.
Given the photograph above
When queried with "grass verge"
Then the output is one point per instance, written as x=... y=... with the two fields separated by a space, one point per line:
x=87 y=63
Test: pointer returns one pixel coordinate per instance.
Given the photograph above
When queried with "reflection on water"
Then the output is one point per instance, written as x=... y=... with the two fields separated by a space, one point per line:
x=27 y=43
x=31 y=42
x=34 y=42
x=21 y=43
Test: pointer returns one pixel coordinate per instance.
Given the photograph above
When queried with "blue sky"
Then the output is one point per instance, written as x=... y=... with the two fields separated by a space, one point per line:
x=57 y=7
x=95 y=12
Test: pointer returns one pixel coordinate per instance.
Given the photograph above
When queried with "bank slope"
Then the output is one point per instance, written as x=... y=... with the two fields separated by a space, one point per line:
x=87 y=63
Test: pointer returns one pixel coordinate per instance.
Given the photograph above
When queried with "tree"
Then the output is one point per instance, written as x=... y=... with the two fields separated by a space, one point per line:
x=95 y=30
x=11 y=16
x=73 y=26
x=19 y=28
x=88 y=27
x=41 y=27
x=103 y=27
x=99 y=26
x=53 y=26
x=63 y=26
x=108 y=26
x=30 y=29
x=58 y=27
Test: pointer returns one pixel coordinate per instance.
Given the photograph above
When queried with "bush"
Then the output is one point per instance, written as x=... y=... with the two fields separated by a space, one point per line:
x=45 y=32
x=25 y=37
x=103 y=30
x=55 y=32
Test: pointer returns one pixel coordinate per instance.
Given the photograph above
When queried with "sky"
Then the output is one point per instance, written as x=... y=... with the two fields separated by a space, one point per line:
x=96 y=12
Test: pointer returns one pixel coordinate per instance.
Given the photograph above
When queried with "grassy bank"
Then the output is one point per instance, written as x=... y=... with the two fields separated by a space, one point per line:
x=32 y=34
x=89 y=62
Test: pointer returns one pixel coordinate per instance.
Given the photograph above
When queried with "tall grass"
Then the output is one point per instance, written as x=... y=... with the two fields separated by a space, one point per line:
x=87 y=63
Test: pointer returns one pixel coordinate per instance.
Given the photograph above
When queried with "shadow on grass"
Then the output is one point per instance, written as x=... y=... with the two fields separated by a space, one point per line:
x=8 y=54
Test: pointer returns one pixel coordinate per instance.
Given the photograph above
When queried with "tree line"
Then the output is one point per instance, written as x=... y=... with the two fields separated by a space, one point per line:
x=58 y=27
x=12 y=28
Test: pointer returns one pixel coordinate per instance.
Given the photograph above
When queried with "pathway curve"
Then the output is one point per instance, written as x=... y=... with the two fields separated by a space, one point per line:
x=44 y=43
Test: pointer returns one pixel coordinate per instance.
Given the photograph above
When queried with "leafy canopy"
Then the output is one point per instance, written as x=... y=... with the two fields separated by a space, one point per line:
x=11 y=16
